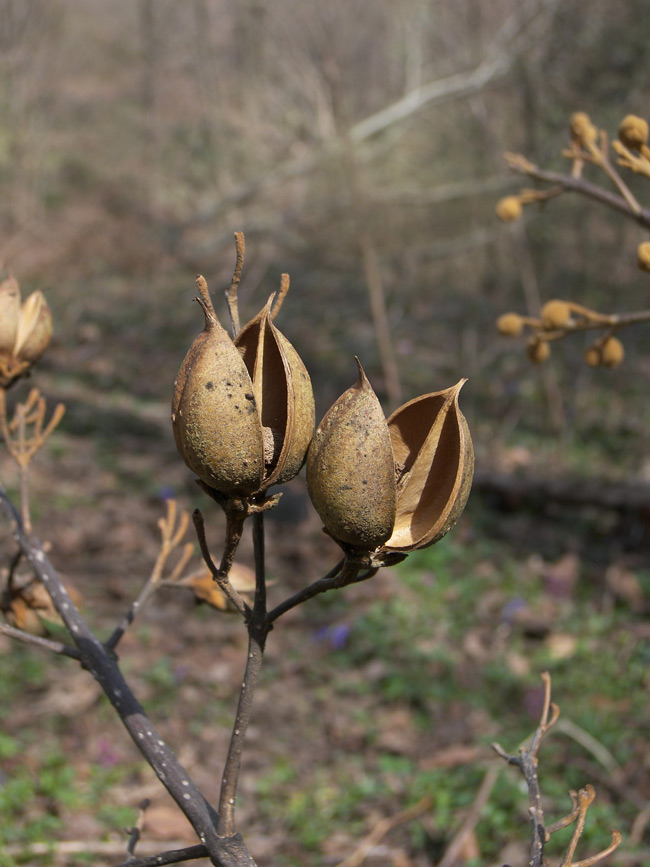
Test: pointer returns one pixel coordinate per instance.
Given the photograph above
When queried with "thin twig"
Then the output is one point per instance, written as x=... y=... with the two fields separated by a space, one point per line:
x=258 y=629
x=383 y=827
x=234 y=527
x=520 y=164
x=173 y=856
x=321 y=585
x=453 y=850
x=135 y=832
x=38 y=641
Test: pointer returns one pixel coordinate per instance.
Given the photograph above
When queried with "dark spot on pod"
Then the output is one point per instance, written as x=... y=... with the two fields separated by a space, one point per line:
x=249 y=395
x=209 y=385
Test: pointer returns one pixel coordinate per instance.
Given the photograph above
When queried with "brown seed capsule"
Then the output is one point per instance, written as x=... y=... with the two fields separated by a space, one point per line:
x=633 y=132
x=389 y=487
x=538 y=350
x=351 y=471
x=643 y=256
x=509 y=209
x=555 y=314
x=612 y=352
x=242 y=412
x=510 y=324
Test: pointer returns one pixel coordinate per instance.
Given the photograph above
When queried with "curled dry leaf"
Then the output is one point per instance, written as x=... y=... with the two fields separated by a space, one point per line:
x=390 y=487
x=242 y=412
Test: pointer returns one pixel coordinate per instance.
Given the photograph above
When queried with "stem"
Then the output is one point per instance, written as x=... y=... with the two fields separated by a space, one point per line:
x=103 y=666
x=28 y=638
x=578 y=185
x=258 y=629
x=230 y=778
x=128 y=618
x=234 y=529
x=322 y=585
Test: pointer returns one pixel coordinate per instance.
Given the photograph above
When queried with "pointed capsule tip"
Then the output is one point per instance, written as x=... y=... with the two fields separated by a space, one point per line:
x=363 y=379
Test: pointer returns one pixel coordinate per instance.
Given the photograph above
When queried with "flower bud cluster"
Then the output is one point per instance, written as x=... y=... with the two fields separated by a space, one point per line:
x=25 y=330
x=243 y=419
x=557 y=319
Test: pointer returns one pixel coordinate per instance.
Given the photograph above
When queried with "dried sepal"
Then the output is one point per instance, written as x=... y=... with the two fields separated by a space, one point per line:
x=434 y=462
x=350 y=469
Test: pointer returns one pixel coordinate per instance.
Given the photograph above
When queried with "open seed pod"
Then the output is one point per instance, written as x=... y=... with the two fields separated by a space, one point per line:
x=283 y=395
x=390 y=487
x=434 y=461
x=25 y=331
x=242 y=412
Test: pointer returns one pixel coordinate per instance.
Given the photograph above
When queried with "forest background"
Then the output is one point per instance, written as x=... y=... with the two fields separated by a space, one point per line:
x=359 y=147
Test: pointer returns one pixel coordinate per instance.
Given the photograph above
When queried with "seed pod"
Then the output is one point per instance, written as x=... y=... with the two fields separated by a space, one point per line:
x=243 y=412
x=509 y=209
x=434 y=461
x=9 y=314
x=351 y=471
x=34 y=328
x=389 y=487
x=555 y=314
x=283 y=395
x=633 y=132
x=612 y=352
x=510 y=324
x=216 y=423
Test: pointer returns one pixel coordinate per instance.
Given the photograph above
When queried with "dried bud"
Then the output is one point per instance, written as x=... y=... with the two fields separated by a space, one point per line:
x=582 y=129
x=633 y=132
x=555 y=314
x=390 y=486
x=612 y=352
x=509 y=209
x=538 y=350
x=593 y=356
x=643 y=256
x=242 y=412
x=510 y=324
